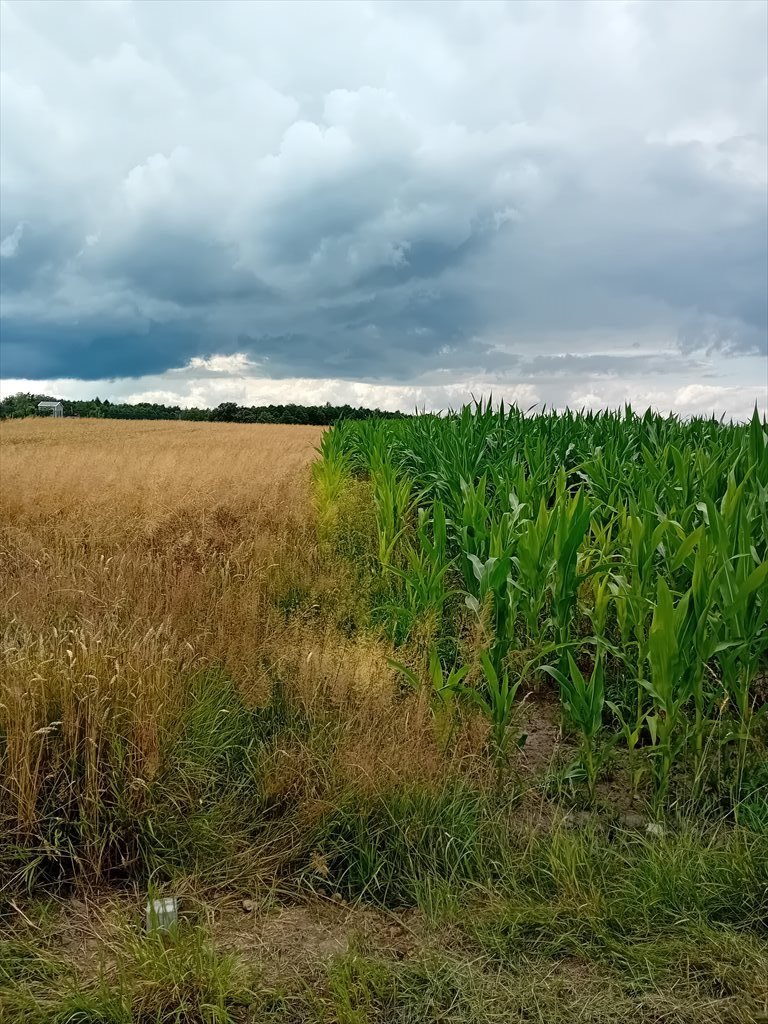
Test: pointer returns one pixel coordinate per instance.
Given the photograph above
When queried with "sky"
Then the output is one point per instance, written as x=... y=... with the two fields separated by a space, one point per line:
x=394 y=204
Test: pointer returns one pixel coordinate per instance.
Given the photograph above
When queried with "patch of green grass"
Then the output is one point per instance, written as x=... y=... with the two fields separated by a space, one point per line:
x=370 y=990
x=691 y=902
x=98 y=1007
x=445 y=987
x=211 y=810
x=160 y=978
x=753 y=807
x=23 y=960
x=390 y=848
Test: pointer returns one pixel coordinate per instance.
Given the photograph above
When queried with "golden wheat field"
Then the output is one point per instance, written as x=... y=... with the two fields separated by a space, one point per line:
x=150 y=535
x=134 y=556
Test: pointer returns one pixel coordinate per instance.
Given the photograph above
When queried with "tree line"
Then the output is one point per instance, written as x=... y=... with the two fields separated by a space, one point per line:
x=25 y=404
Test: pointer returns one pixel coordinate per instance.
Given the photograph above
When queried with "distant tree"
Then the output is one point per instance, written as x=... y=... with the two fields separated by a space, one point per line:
x=226 y=412
x=25 y=404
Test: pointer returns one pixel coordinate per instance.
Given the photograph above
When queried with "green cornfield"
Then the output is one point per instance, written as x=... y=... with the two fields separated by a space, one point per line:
x=621 y=558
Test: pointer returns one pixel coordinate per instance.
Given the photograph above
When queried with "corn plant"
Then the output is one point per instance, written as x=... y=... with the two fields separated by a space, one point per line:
x=474 y=532
x=583 y=701
x=331 y=473
x=496 y=700
x=425 y=564
x=572 y=522
x=494 y=590
x=393 y=499
x=739 y=587
x=640 y=538
x=534 y=563
x=669 y=684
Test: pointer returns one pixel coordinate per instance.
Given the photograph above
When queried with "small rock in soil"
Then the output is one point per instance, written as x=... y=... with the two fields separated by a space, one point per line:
x=632 y=820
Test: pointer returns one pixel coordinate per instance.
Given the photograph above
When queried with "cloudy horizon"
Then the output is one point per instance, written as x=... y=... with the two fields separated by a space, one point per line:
x=388 y=204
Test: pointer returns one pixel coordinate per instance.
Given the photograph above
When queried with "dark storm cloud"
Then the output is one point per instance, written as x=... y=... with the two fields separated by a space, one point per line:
x=42 y=250
x=188 y=270
x=369 y=353
x=422 y=258
x=381 y=193
x=93 y=351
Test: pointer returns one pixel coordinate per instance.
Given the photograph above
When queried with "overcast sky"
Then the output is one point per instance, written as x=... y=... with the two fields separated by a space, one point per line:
x=386 y=203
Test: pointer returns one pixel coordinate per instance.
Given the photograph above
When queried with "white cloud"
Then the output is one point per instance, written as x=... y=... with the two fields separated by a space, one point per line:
x=236 y=363
x=205 y=392
x=10 y=243
x=732 y=400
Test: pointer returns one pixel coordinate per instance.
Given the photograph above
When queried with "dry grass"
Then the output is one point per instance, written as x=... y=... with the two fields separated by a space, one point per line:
x=133 y=556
